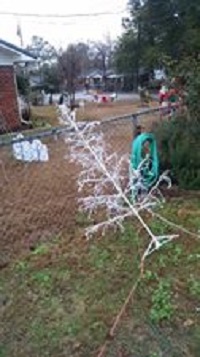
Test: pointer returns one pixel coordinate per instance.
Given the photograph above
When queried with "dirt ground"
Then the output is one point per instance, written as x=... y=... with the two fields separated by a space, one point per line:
x=59 y=294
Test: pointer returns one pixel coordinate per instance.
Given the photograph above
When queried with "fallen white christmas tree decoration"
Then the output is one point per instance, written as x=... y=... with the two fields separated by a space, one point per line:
x=105 y=176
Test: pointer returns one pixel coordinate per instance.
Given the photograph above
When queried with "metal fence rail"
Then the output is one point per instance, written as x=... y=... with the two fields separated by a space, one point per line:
x=9 y=139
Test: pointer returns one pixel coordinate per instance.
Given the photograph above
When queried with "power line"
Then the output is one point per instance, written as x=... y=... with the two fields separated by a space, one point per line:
x=46 y=23
x=94 y=14
x=55 y=23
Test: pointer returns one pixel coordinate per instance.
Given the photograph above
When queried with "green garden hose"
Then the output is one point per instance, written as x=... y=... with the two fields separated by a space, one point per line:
x=150 y=169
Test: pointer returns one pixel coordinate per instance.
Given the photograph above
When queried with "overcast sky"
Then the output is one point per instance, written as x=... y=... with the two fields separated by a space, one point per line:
x=63 y=30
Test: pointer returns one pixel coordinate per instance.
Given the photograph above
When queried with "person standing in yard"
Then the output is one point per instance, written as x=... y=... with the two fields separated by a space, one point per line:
x=61 y=99
x=51 y=98
x=163 y=100
x=163 y=94
x=142 y=94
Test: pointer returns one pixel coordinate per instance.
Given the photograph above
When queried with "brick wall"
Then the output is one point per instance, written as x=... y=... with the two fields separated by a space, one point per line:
x=9 y=112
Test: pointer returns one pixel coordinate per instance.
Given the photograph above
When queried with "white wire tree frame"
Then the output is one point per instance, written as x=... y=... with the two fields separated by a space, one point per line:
x=103 y=174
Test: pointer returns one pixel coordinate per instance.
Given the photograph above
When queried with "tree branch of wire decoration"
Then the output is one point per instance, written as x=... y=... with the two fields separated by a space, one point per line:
x=105 y=176
x=100 y=170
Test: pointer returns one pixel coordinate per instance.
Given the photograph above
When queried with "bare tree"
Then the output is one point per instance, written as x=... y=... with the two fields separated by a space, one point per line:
x=72 y=63
x=102 y=53
x=46 y=67
x=83 y=51
x=70 y=68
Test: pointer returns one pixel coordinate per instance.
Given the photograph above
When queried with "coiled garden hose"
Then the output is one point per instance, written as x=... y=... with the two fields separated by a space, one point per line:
x=145 y=158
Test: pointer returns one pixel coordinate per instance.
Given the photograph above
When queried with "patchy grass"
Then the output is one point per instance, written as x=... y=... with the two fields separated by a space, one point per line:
x=69 y=304
x=44 y=116
x=61 y=298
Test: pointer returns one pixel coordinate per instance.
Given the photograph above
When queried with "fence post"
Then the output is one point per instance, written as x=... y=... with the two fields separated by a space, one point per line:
x=135 y=124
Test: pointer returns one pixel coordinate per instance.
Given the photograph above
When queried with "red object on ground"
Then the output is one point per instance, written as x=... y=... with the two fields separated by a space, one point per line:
x=104 y=99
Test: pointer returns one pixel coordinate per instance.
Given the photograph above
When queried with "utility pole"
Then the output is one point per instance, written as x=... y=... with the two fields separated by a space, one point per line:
x=138 y=52
x=19 y=34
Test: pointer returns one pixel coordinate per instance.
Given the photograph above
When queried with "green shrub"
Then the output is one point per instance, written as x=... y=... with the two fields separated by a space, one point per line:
x=178 y=143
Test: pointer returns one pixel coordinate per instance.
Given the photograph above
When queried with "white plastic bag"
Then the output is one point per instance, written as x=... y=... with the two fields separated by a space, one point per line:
x=30 y=151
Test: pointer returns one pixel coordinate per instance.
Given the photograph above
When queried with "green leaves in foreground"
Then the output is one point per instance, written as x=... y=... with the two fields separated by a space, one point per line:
x=162 y=308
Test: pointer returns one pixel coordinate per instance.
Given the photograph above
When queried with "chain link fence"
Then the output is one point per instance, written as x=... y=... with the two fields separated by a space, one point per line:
x=120 y=131
x=39 y=198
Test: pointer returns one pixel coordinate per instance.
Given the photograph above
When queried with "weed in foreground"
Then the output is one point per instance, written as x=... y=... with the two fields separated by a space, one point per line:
x=162 y=308
x=82 y=219
x=192 y=258
x=194 y=286
x=154 y=354
x=42 y=278
x=3 y=352
x=21 y=266
x=150 y=276
x=42 y=249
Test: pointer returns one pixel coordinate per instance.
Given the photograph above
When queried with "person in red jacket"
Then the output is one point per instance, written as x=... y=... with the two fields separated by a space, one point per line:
x=163 y=94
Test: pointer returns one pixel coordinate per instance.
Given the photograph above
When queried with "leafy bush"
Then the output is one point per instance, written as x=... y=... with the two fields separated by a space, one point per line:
x=187 y=74
x=178 y=143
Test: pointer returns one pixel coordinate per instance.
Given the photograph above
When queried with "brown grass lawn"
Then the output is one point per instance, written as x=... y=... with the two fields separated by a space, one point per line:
x=95 y=111
x=47 y=115
x=44 y=115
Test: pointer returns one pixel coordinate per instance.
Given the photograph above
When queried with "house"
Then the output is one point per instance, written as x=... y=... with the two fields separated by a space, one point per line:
x=10 y=56
x=97 y=79
x=115 y=81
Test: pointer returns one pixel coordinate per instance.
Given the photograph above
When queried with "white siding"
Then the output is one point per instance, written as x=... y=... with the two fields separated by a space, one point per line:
x=7 y=58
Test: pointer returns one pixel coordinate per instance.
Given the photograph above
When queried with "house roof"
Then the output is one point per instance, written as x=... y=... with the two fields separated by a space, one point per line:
x=94 y=74
x=115 y=76
x=98 y=74
x=23 y=54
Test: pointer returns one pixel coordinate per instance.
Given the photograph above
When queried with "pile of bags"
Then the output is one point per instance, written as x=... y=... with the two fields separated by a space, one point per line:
x=30 y=151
